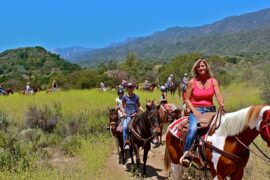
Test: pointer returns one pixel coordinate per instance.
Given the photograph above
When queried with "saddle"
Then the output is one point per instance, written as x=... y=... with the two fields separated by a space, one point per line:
x=203 y=123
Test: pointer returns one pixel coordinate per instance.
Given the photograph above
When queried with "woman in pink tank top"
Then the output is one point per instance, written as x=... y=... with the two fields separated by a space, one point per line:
x=200 y=91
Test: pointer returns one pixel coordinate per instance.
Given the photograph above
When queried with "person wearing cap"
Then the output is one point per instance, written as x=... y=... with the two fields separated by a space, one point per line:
x=124 y=82
x=54 y=86
x=130 y=107
x=146 y=84
x=28 y=88
x=163 y=97
x=102 y=86
x=169 y=82
x=185 y=82
x=118 y=101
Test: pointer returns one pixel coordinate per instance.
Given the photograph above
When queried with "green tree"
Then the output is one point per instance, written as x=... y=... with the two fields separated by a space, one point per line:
x=133 y=66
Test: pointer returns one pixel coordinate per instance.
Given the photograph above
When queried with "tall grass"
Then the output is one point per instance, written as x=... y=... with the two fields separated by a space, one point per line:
x=89 y=109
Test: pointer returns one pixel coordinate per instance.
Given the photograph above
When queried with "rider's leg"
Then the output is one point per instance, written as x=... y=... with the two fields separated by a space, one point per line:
x=125 y=128
x=191 y=131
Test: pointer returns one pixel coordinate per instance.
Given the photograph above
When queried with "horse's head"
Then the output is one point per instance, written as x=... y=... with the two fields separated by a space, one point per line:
x=153 y=116
x=265 y=127
x=113 y=116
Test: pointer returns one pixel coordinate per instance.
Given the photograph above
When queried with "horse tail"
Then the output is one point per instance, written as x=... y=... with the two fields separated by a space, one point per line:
x=167 y=159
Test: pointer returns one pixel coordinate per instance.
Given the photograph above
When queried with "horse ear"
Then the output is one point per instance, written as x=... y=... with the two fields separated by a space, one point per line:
x=148 y=107
x=158 y=106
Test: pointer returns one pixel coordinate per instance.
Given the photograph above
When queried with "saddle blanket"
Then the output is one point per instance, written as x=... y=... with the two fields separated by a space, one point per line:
x=173 y=127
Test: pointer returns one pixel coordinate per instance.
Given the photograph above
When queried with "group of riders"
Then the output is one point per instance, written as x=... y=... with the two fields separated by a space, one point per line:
x=199 y=92
x=129 y=105
x=29 y=89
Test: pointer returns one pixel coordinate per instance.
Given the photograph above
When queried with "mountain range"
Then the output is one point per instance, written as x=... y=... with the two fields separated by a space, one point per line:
x=233 y=35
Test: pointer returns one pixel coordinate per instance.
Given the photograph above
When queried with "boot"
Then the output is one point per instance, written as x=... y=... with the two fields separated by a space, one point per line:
x=185 y=159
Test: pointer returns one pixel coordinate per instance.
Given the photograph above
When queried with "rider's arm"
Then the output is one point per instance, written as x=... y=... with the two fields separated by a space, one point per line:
x=218 y=94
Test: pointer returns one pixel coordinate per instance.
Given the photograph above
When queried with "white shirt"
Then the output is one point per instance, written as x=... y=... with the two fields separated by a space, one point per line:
x=118 y=102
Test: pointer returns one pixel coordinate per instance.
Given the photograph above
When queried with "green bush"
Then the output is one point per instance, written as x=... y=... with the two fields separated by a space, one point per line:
x=71 y=145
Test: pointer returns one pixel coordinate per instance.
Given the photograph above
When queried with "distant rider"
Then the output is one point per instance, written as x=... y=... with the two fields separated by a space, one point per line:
x=146 y=84
x=169 y=82
x=54 y=86
x=28 y=88
x=2 y=90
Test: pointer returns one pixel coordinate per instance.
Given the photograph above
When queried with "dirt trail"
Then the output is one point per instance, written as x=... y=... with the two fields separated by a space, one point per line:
x=155 y=167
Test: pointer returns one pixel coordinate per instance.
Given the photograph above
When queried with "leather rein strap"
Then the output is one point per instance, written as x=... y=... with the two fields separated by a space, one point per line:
x=133 y=132
x=231 y=156
x=217 y=119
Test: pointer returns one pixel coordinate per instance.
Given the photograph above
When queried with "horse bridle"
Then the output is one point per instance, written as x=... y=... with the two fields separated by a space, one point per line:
x=138 y=136
x=267 y=126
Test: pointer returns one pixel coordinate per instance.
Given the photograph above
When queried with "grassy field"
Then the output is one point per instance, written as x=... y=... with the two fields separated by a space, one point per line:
x=79 y=145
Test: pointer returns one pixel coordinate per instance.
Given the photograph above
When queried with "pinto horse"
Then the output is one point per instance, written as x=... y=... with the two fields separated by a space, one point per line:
x=227 y=151
x=166 y=116
x=118 y=136
x=143 y=129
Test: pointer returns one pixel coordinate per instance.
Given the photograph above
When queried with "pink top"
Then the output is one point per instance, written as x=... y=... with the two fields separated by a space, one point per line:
x=202 y=97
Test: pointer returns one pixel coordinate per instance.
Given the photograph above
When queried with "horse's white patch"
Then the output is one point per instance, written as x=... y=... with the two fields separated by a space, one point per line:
x=177 y=170
x=219 y=142
x=233 y=123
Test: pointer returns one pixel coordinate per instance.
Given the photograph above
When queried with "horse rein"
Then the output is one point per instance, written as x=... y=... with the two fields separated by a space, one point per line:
x=134 y=132
x=265 y=158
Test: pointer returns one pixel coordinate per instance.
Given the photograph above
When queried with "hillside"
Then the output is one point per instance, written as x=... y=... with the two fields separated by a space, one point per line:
x=230 y=36
x=71 y=53
x=30 y=63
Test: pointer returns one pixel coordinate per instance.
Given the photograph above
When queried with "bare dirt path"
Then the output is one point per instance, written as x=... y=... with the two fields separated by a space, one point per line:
x=155 y=167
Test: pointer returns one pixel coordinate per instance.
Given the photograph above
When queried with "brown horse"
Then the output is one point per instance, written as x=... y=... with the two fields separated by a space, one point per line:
x=118 y=136
x=168 y=113
x=142 y=131
x=151 y=87
x=175 y=86
x=226 y=148
x=9 y=91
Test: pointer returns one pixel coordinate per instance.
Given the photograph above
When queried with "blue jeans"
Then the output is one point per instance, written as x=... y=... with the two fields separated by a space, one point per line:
x=192 y=131
x=2 y=91
x=125 y=127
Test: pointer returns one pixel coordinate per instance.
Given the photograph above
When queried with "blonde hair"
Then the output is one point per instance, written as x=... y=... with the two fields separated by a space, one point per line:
x=195 y=65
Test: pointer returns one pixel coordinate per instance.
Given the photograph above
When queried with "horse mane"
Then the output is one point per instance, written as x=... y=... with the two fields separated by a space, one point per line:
x=236 y=122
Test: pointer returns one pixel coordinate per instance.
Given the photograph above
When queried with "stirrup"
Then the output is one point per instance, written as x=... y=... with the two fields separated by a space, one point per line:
x=184 y=161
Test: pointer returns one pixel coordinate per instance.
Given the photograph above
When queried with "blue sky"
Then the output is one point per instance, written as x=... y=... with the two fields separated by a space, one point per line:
x=96 y=23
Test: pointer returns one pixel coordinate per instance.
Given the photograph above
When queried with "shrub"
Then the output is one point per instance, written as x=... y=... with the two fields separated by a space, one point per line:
x=43 y=118
x=71 y=145
x=4 y=121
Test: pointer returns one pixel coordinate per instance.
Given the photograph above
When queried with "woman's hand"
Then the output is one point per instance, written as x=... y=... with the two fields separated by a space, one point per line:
x=222 y=106
x=197 y=113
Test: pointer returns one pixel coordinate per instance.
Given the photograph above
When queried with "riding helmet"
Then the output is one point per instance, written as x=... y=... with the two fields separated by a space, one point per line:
x=162 y=88
x=120 y=91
